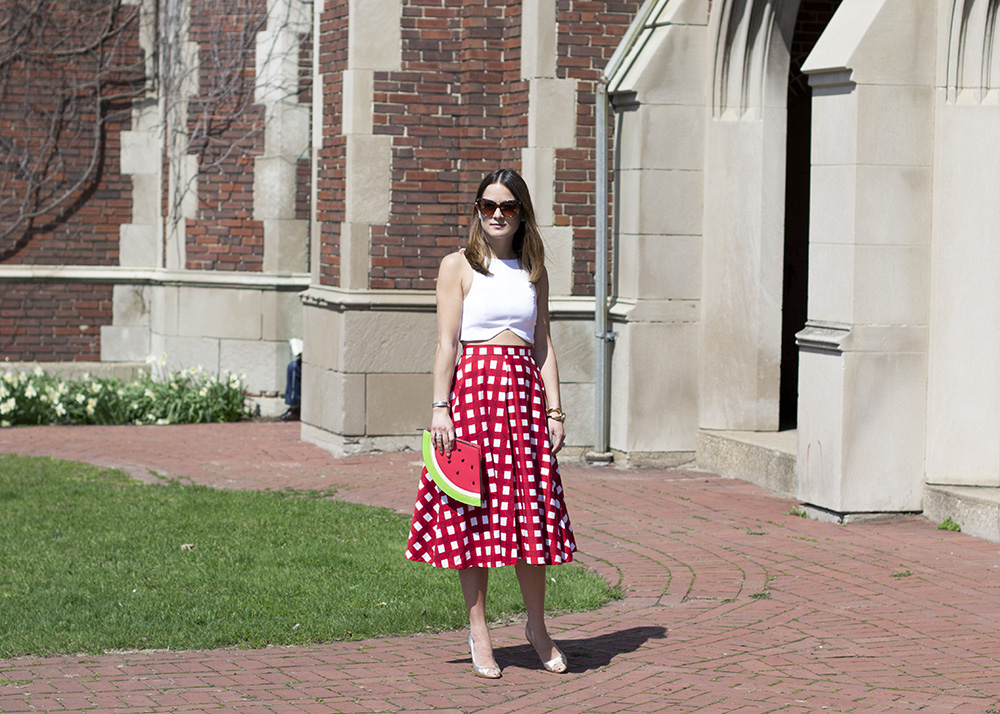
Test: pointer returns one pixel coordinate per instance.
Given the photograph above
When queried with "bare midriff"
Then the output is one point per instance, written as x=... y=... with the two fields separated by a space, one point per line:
x=504 y=339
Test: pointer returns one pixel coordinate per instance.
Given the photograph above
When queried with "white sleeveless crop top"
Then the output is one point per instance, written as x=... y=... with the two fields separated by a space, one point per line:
x=505 y=300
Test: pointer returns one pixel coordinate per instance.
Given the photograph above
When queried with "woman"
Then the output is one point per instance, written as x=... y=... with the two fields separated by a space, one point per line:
x=492 y=299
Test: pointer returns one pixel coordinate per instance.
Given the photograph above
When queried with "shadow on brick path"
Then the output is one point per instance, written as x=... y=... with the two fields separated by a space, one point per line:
x=732 y=604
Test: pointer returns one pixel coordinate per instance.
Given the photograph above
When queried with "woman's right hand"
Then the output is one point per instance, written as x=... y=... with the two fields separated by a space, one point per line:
x=442 y=431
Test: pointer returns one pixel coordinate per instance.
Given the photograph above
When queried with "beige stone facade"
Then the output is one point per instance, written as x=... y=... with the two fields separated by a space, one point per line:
x=802 y=226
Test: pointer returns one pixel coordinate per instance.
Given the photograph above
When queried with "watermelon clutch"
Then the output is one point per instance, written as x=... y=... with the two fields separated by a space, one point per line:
x=458 y=475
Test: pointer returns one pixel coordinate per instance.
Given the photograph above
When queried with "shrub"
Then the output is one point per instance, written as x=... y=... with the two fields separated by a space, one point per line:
x=187 y=396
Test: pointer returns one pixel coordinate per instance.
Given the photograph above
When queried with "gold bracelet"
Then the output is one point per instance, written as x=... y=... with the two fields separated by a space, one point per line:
x=556 y=413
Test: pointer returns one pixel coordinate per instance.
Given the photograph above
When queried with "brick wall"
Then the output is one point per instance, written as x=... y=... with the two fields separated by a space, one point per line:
x=227 y=131
x=452 y=112
x=458 y=109
x=50 y=133
x=53 y=322
x=589 y=32
x=332 y=47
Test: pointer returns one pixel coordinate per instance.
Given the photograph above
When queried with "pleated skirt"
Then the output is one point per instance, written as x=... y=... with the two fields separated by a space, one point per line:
x=497 y=402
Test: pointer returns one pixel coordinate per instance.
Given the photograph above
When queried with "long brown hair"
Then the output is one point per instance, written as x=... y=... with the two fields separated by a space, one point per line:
x=527 y=241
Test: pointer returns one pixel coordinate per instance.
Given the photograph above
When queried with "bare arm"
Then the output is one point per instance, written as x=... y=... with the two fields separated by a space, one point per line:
x=545 y=356
x=450 y=293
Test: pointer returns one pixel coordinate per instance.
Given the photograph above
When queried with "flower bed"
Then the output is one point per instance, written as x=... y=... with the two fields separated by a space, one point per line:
x=187 y=396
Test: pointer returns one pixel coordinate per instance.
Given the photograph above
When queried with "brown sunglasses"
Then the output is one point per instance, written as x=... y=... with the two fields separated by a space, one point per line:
x=487 y=208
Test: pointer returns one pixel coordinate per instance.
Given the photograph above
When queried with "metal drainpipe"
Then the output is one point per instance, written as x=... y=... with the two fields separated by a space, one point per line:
x=603 y=337
x=601 y=453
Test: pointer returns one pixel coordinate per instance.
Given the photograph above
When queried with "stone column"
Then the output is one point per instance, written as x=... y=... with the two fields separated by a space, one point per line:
x=742 y=258
x=963 y=412
x=863 y=368
x=659 y=99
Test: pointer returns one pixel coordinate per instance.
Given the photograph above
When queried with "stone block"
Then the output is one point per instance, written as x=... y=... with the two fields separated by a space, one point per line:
x=831 y=282
x=262 y=362
x=891 y=284
x=552 y=113
x=646 y=145
x=870 y=37
x=662 y=202
x=187 y=352
x=124 y=343
x=559 y=259
x=336 y=403
x=397 y=403
x=654 y=374
x=669 y=67
x=884 y=431
x=538 y=38
x=574 y=345
x=141 y=152
x=146 y=197
x=357 y=98
x=895 y=125
x=322 y=330
x=131 y=305
x=276 y=66
x=833 y=204
x=400 y=342
x=659 y=267
x=285 y=245
x=820 y=427
x=164 y=319
x=273 y=188
x=578 y=403
x=834 y=126
x=355 y=255
x=861 y=430
x=219 y=313
x=137 y=245
x=282 y=315
x=374 y=41
x=368 y=173
x=287 y=131
x=538 y=170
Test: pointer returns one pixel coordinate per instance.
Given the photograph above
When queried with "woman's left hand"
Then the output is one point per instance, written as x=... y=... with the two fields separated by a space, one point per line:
x=557 y=434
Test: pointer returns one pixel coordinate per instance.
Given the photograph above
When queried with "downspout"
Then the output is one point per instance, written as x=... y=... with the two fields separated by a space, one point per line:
x=603 y=336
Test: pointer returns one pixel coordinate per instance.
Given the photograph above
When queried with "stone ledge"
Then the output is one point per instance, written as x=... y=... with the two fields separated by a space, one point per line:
x=766 y=459
x=76 y=370
x=975 y=508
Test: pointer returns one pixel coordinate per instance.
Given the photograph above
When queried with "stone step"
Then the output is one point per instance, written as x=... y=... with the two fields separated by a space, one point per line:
x=975 y=508
x=764 y=458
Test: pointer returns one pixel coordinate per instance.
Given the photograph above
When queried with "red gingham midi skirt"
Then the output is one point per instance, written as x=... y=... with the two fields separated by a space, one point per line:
x=497 y=402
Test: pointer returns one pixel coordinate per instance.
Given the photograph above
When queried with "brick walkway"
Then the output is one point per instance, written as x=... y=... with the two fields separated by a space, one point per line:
x=732 y=605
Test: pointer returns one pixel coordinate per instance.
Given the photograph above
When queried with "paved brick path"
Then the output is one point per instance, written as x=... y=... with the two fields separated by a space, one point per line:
x=733 y=605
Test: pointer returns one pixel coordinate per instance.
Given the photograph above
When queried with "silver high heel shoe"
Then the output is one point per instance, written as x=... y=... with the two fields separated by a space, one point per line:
x=484 y=672
x=557 y=664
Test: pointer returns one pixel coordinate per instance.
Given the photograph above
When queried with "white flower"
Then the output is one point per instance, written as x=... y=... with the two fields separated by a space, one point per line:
x=30 y=392
x=39 y=372
x=202 y=392
x=91 y=403
x=60 y=409
x=80 y=399
x=96 y=387
x=161 y=422
x=149 y=393
x=4 y=424
x=3 y=391
x=8 y=406
x=150 y=359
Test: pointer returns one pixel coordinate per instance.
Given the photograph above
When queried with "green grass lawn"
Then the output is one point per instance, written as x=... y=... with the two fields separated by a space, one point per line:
x=91 y=560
